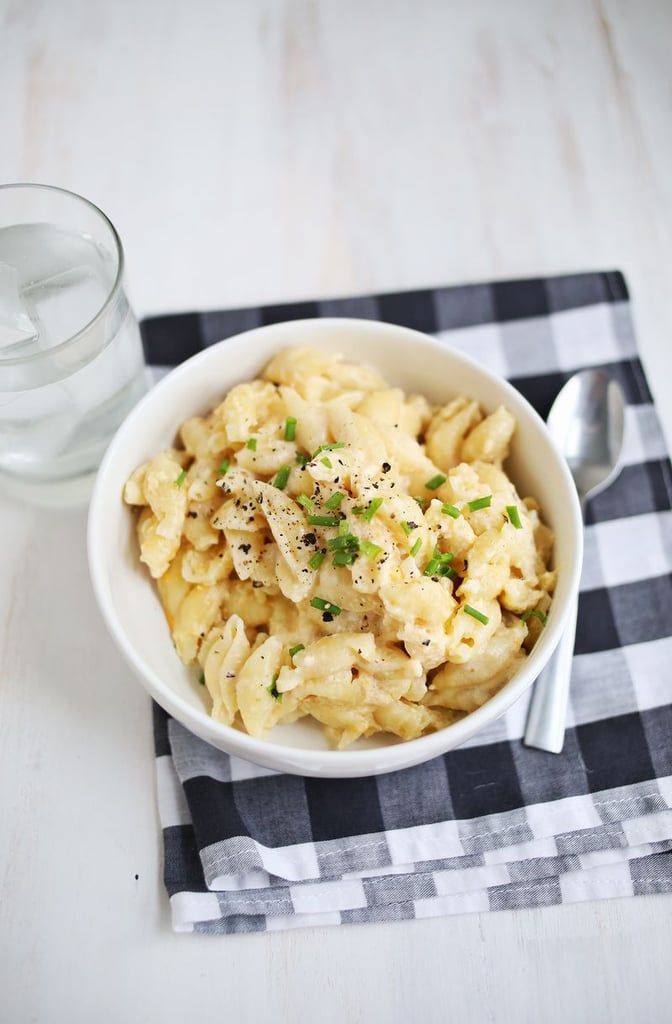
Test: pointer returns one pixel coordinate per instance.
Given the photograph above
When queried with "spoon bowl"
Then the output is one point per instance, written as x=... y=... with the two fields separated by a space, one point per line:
x=587 y=423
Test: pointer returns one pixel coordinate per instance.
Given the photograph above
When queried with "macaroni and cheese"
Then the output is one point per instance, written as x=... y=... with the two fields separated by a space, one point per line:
x=324 y=545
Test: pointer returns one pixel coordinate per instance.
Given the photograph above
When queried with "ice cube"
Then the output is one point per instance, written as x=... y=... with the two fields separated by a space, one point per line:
x=18 y=333
x=65 y=303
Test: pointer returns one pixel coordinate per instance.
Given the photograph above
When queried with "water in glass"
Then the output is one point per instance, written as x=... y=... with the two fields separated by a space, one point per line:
x=58 y=303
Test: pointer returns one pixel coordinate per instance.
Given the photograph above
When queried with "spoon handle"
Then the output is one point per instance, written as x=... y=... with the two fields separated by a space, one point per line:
x=547 y=716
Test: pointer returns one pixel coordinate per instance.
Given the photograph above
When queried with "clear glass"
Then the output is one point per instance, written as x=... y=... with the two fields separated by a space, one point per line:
x=71 y=360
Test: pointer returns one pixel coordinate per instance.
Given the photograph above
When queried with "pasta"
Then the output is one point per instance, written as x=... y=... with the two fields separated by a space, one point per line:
x=324 y=545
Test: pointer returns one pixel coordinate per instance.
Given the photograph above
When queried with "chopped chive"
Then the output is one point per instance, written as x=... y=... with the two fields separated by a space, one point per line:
x=327 y=462
x=272 y=688
x=301 y=459
x=436 y=482
x=290 y=428
x=343 y=528
x=421 y=501
x=335 y=500
x=475 y=614
x=537 y=614
x=201 y=679
x=437 y=567
x=450 y=510
x=224 y=467
x=370 y=550
x=296 y=649
x=251 y=443
x=327 y=448
x=181 y=478
x=282 y=477
x=306 y=502
x=316 y=561
x=358 y=510
x=477 y=503
x=344 y=558
x=443 y=556
x=370 y=512
x=407 y=527
x=344 y=542
x=416 y=547
x=324 y=520
x=325 y=606
x=514 y=516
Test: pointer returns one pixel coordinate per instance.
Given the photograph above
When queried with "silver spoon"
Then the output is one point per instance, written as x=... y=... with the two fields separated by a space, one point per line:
x=587 y=423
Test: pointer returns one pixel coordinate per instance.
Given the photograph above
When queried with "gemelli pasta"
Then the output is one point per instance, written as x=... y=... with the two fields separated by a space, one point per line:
x=325 y=545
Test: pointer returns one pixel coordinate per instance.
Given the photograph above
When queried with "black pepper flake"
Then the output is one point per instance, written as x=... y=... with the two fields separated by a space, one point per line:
x=309 y=538
x=425 y=643
x=193 y=515
x=386 y=467
x=245 y=548
x=327 y=617
x=256 y=584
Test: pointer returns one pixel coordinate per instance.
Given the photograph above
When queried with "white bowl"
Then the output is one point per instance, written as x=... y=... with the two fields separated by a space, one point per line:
x=128 y=599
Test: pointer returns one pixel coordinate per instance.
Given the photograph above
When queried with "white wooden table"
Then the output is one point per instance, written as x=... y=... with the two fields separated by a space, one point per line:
x=264 y=151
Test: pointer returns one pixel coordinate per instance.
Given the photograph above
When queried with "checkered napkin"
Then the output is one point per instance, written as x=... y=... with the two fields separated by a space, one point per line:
x=492 y=824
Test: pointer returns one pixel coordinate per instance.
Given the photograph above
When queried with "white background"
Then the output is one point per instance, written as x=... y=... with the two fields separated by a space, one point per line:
x=255 y=152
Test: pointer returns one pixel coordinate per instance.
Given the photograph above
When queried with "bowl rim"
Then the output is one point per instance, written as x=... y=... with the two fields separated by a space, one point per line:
x=308 y=761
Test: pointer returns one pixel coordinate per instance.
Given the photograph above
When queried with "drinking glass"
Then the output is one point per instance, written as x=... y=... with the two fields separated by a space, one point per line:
x=71 y=360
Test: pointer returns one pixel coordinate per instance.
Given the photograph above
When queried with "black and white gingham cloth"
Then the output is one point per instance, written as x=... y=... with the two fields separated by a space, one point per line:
x=492 y=824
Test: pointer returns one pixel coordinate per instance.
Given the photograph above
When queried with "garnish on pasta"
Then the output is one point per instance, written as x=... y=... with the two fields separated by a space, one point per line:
x=303 y=573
